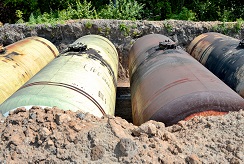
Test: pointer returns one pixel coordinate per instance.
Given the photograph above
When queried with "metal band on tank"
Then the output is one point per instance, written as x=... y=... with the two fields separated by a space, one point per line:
x=69 y=87
x=193 y=48
x=45 y=45
x=223 y=69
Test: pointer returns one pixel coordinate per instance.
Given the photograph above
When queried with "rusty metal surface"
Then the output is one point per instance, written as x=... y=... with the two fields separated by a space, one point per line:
x=169 y=85
x=222 y=55
x=21 y=61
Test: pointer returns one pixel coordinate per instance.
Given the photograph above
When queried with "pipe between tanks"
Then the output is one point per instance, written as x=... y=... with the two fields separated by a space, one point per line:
x=168 y=85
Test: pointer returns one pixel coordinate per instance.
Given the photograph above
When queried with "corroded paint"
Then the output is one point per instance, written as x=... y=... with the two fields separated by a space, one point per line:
x=225 y=58
x=169 y=85
x=84 y=80
x=21 y=61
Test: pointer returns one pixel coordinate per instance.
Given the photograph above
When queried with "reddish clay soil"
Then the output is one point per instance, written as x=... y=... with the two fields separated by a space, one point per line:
x=52 y=135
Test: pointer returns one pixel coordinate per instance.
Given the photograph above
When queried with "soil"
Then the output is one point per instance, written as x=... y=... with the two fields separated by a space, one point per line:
x=51 y=135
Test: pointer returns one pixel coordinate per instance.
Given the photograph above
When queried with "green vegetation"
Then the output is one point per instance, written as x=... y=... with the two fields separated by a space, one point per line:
x=168 y=26
x=122 y=9
x=185 y=14
x=19 y=15
x=239 y=23
x=88 y=25
x=126 y=29
x=57 y=11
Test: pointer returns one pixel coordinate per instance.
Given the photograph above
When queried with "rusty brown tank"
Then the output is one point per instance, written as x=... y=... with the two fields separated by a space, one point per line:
x=222 y=55
x=169 y=85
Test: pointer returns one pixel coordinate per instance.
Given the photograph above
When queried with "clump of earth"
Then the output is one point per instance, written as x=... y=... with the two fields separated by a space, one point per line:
x=52 y=135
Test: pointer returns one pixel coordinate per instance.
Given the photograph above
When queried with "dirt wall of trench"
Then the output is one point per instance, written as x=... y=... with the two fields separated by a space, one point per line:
x=121 y=33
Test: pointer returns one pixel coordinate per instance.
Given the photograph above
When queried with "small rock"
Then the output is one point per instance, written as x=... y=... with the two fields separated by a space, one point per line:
x=80 y=115
x=15 y=139
x=209 y=125
x=78 y=128
x=230 y=148
x=152 y=145
x=36 y=107
x=165 y=159
x=50 y=143
x=152 y=129
x=40 y=117
x=21 y=109
x=239 y=117
x=182 y=123
x=240 y=155
x=193 y=159
x=117 y=129
x=97 y=152
x=44 y=132
x=72 y=123
x=234 y=161
x=148 y=128
x=2 y=118
x=173 y=149
x=49 y=118
x=127 y=146
x=47 y=109
x=169 y=136
x=53 y=125
x=39 y=142
x=13 y=155
x=175 y=128
x=72 y=137
x=11 y=112
x=32 y=115
x=61 y=118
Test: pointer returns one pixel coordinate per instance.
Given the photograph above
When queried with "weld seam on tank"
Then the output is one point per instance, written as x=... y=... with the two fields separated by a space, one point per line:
x=195 y=45
x=69 y=87
x=54 y=54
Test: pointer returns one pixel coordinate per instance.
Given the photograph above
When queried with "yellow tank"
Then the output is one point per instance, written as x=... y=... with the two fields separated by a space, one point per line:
x=21 y=61
x=82 y=78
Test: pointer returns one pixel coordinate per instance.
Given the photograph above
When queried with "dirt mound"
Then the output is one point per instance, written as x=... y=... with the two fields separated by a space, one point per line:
x=51 y=135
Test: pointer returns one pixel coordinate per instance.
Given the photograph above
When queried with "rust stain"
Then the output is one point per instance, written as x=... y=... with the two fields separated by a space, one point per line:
x=10 y=56
x=2 y=49
x=205 y=114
